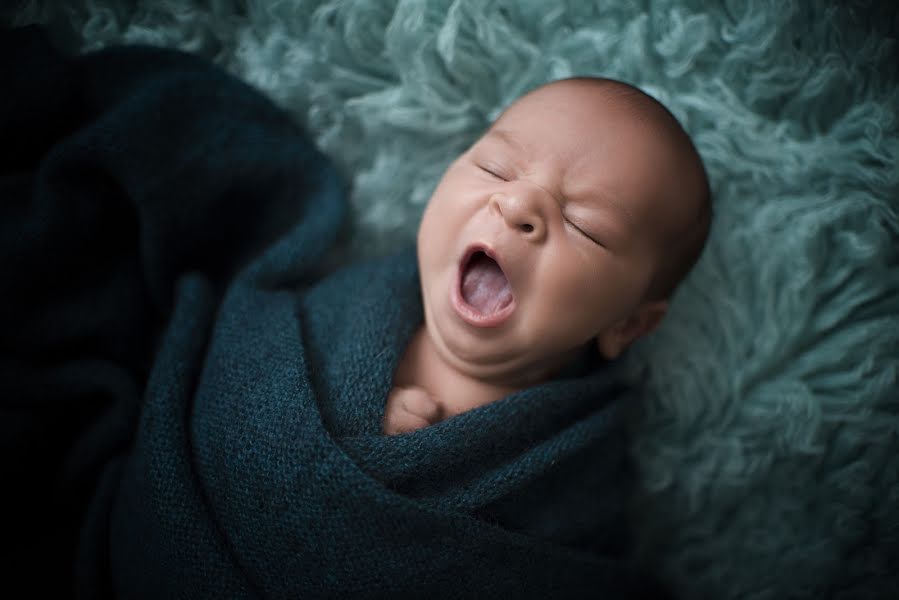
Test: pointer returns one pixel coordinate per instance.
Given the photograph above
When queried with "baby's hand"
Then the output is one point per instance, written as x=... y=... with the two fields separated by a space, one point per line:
x=409 y=409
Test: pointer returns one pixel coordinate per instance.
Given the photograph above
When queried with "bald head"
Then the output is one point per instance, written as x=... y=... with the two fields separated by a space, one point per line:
x=680 y=215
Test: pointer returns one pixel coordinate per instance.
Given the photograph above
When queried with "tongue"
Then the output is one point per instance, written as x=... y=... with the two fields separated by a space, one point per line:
x=484 y=285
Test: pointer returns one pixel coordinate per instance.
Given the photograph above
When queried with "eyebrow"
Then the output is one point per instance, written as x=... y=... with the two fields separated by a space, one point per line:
x=607 y=199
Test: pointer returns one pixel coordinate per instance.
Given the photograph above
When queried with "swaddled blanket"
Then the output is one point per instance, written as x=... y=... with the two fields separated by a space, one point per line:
x=187 y=411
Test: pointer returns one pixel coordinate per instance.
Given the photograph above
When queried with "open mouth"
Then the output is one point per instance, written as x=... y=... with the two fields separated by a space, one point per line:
x=483 y=296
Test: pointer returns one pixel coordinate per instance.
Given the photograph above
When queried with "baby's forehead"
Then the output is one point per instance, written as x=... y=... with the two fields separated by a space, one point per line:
x=607 y=133
x=592 y=127
x=611 y=103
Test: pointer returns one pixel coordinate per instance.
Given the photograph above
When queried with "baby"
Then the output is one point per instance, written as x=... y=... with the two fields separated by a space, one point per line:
x=190 y=410
x=569 y=222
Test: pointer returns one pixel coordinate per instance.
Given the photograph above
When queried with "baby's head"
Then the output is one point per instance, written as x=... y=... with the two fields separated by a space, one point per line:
x=569 y=222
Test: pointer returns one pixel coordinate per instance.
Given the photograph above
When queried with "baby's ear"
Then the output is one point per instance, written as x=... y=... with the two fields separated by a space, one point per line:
x=613 y=341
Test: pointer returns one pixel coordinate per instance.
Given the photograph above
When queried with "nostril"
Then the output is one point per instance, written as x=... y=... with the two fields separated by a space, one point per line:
x=527 y=228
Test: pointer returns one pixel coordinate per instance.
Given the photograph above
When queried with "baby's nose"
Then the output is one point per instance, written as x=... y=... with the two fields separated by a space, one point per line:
x=521 y=210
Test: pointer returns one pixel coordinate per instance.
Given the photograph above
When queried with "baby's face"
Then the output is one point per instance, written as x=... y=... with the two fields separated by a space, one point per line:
x=541 y=237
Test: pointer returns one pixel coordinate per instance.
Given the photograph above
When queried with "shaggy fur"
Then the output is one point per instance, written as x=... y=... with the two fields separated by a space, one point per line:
x=768 y=438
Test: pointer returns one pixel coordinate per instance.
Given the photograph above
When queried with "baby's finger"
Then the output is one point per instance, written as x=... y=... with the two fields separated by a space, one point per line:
x=404 y=422
x=420 y=403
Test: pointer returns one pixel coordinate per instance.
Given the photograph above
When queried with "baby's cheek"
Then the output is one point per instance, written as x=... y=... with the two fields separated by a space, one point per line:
x=582 y=306
x=438 y=227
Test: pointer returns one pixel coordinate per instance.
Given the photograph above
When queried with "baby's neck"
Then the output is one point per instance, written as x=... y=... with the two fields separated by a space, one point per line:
x=456 y=392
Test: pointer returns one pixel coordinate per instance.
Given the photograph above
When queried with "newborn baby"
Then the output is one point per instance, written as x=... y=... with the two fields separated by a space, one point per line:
x=192 y=410
x=569 y=222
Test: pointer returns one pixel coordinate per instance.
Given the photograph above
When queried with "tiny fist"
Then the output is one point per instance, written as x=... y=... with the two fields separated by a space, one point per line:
x=420 y=403
x=409 y=409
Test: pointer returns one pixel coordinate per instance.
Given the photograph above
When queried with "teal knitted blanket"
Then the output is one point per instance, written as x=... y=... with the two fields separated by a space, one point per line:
x=188 y=411
x=767 y=435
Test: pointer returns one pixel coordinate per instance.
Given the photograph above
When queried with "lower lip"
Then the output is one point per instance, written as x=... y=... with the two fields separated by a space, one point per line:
x=472 y=316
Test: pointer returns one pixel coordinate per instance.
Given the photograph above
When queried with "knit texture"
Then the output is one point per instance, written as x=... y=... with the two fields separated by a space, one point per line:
x=767 y=443
x=188 y=412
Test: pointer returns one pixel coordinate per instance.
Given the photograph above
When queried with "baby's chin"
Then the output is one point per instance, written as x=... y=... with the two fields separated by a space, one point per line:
x=496 y=356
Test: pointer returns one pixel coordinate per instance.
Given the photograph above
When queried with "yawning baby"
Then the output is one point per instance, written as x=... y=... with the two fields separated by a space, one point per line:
x=569 y=223
x=194 y=410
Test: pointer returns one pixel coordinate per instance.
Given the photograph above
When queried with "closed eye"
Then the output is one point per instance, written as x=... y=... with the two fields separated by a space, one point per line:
x=492 y=172
x=584 y=233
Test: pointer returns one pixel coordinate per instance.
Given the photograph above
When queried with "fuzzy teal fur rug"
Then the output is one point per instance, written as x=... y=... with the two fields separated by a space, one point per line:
x=768 y=435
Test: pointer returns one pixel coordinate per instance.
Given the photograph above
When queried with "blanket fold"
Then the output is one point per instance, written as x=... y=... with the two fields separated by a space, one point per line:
x=180 y=420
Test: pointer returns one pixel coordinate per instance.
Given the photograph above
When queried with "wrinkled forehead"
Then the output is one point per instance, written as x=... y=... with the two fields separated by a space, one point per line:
x=590 y=117
x=596 y=137
x=616 y=140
